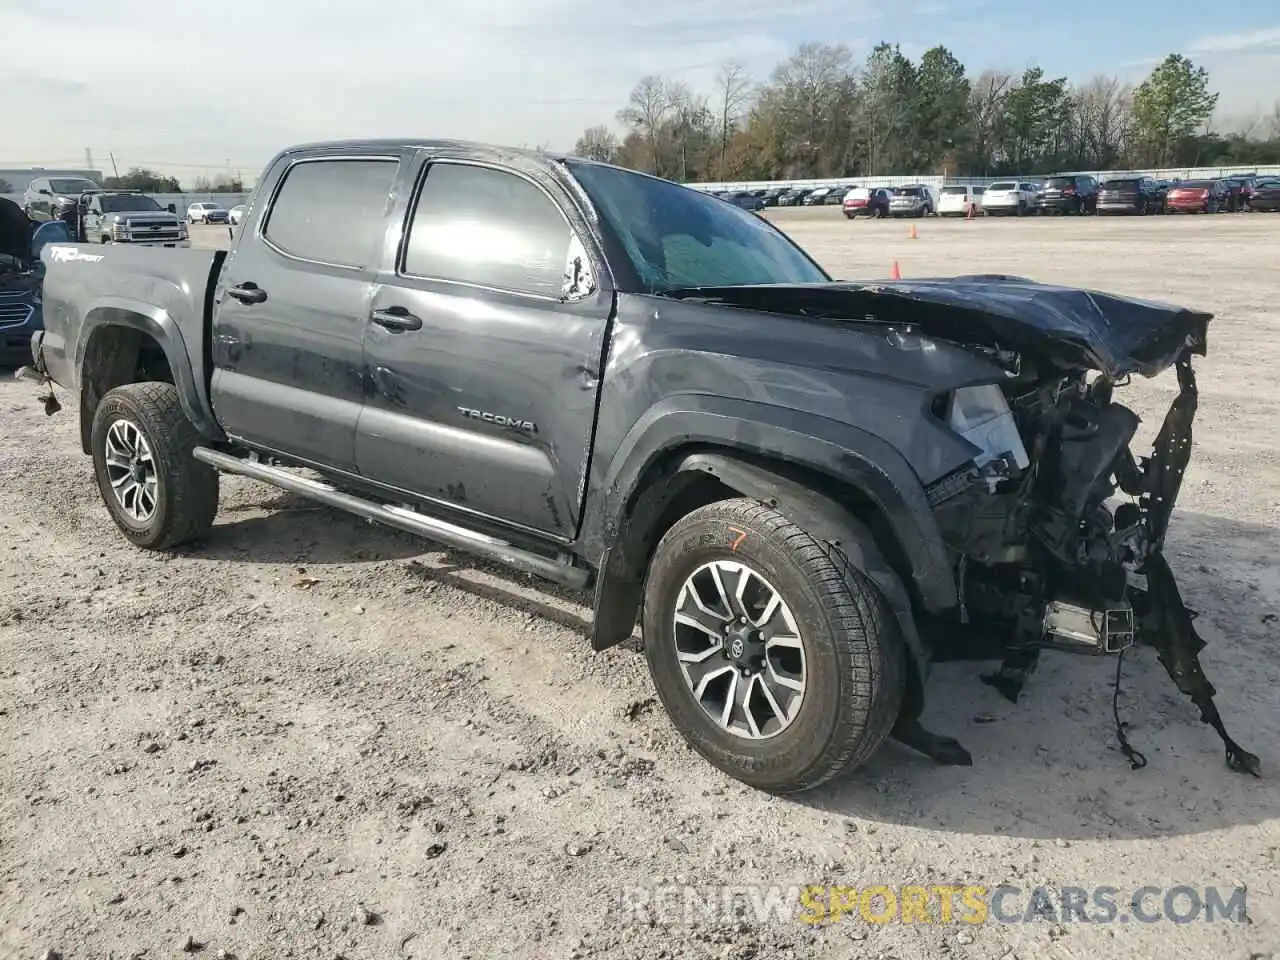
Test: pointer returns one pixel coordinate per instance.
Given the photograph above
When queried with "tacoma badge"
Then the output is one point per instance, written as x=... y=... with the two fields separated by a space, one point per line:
x=526 y=425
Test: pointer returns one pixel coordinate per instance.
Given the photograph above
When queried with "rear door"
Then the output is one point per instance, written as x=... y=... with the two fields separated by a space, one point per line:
x=483 y=374
x=292 y=303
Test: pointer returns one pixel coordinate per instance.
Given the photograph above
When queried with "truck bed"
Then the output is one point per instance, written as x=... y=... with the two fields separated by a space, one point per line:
x=168 y=292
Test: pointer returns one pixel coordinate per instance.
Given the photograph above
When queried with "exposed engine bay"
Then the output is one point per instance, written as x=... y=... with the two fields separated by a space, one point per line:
x=1059 y=529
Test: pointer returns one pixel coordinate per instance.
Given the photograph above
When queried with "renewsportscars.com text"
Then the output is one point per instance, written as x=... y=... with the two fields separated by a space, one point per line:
x=690 y=905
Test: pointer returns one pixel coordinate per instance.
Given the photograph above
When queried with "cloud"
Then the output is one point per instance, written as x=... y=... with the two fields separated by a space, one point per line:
x=1264 y=38
x=164 y=83
x=176 y=85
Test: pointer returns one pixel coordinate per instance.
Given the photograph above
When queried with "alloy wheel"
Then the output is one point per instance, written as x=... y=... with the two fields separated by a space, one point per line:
x=740 y=650
x=131 y=470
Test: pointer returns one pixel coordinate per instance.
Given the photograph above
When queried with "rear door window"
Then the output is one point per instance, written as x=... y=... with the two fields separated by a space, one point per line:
x=490 y=228
x=331 y=211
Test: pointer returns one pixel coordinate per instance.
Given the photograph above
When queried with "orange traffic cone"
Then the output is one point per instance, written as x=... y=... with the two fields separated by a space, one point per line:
x=914 y=234
x=895 y=273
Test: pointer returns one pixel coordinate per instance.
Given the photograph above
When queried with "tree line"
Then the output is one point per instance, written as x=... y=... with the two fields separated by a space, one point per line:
x=149 y=181
x=822 y=114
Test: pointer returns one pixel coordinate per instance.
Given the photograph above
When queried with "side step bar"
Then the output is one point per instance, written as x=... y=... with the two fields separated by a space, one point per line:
x=402 y=518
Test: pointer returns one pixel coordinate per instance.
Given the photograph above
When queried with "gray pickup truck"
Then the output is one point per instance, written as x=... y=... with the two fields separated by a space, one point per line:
x=805 y=490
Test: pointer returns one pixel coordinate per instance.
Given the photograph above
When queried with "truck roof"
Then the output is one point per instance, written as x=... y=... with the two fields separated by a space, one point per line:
x=417 y=143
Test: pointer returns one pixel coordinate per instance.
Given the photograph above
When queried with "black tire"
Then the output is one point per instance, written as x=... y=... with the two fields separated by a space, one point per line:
x=855 y=659
x=186 y=498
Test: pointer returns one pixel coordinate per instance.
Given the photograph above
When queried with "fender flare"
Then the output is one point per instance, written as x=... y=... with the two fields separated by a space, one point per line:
x=824 y=520
x=835 y=449
x=156 y=323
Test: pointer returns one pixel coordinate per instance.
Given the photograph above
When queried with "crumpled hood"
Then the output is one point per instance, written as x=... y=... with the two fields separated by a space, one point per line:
x=1068 y=327
x=15 y=231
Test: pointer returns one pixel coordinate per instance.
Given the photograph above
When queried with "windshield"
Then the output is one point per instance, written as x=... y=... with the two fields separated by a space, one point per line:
x=952 y=191
x=907 y=192
x=72 y=186
x=677 y=238
x=1119 y=184
x=119 y=204
x=1060 y=182
x=1003 y=186
x=1194 y=185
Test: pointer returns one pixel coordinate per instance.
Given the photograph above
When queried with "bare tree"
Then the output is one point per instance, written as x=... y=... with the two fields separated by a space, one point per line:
x=647 y=109
x=733 y=94
x=597 y=143
x=987 y=102
x=1103 y=108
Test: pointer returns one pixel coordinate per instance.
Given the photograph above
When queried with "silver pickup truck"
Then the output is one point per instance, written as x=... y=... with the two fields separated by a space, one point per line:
x=127 y=216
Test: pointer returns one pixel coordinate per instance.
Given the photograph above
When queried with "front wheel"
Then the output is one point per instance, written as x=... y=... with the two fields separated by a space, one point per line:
x=779 y=663
x=158 y=494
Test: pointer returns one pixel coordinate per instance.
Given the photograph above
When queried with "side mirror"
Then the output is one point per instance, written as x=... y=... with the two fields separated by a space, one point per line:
x=46 y=193
x=172 y=208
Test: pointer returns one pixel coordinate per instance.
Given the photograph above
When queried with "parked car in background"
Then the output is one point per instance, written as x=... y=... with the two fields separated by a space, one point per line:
x=236 y=213
x=1129 y=195
x=1236 y=196
x=1266 y=196
x=792 y=196
x=917 y=200
x=20 y=276
x=770 y=196
x=746 y=199
x=835 y=196
x=816 y=197
x=866 y=202
x=1197 y=196
x=208 y=213
x=1009 y=198
x=1074 y=193
x=1250 y=187
x=129 y=216
x=960 y=200
x=47 y=198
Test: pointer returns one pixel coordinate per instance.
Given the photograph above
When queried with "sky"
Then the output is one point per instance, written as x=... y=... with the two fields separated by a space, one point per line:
x=193 y=87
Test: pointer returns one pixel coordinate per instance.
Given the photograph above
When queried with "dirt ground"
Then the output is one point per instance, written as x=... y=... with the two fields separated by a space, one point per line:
x=311 y=737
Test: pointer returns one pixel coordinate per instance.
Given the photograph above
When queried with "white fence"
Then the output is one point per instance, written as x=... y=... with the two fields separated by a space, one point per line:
x=1185 y=173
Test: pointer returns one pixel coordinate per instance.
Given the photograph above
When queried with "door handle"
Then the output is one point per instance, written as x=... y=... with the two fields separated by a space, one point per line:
x=247 y=292
x=396 y=319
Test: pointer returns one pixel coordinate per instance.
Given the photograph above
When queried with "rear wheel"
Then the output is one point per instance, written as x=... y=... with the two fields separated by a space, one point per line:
x=779 y=664
x=158 y=494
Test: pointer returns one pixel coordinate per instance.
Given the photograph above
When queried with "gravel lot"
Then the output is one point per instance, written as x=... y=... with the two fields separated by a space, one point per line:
x=312 y=737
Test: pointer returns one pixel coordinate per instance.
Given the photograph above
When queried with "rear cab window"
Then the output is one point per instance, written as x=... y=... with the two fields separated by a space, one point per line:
x=488 y=227
x=332 y=210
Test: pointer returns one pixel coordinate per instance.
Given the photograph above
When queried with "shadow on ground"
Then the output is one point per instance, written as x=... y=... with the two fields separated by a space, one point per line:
x=1048 y=766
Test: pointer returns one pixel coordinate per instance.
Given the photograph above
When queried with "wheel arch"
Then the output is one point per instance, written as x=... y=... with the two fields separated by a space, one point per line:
x=834 y=512
x=125 y=342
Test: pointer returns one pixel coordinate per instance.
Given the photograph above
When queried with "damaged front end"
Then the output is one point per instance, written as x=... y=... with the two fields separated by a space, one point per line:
x=1057 y=527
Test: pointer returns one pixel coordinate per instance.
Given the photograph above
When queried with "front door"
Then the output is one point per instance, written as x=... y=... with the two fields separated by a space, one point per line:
x=483 y=367
x=291 y=307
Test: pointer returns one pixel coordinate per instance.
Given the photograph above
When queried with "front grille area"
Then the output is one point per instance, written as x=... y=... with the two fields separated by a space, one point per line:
x=146 y=231
x=15 y=314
